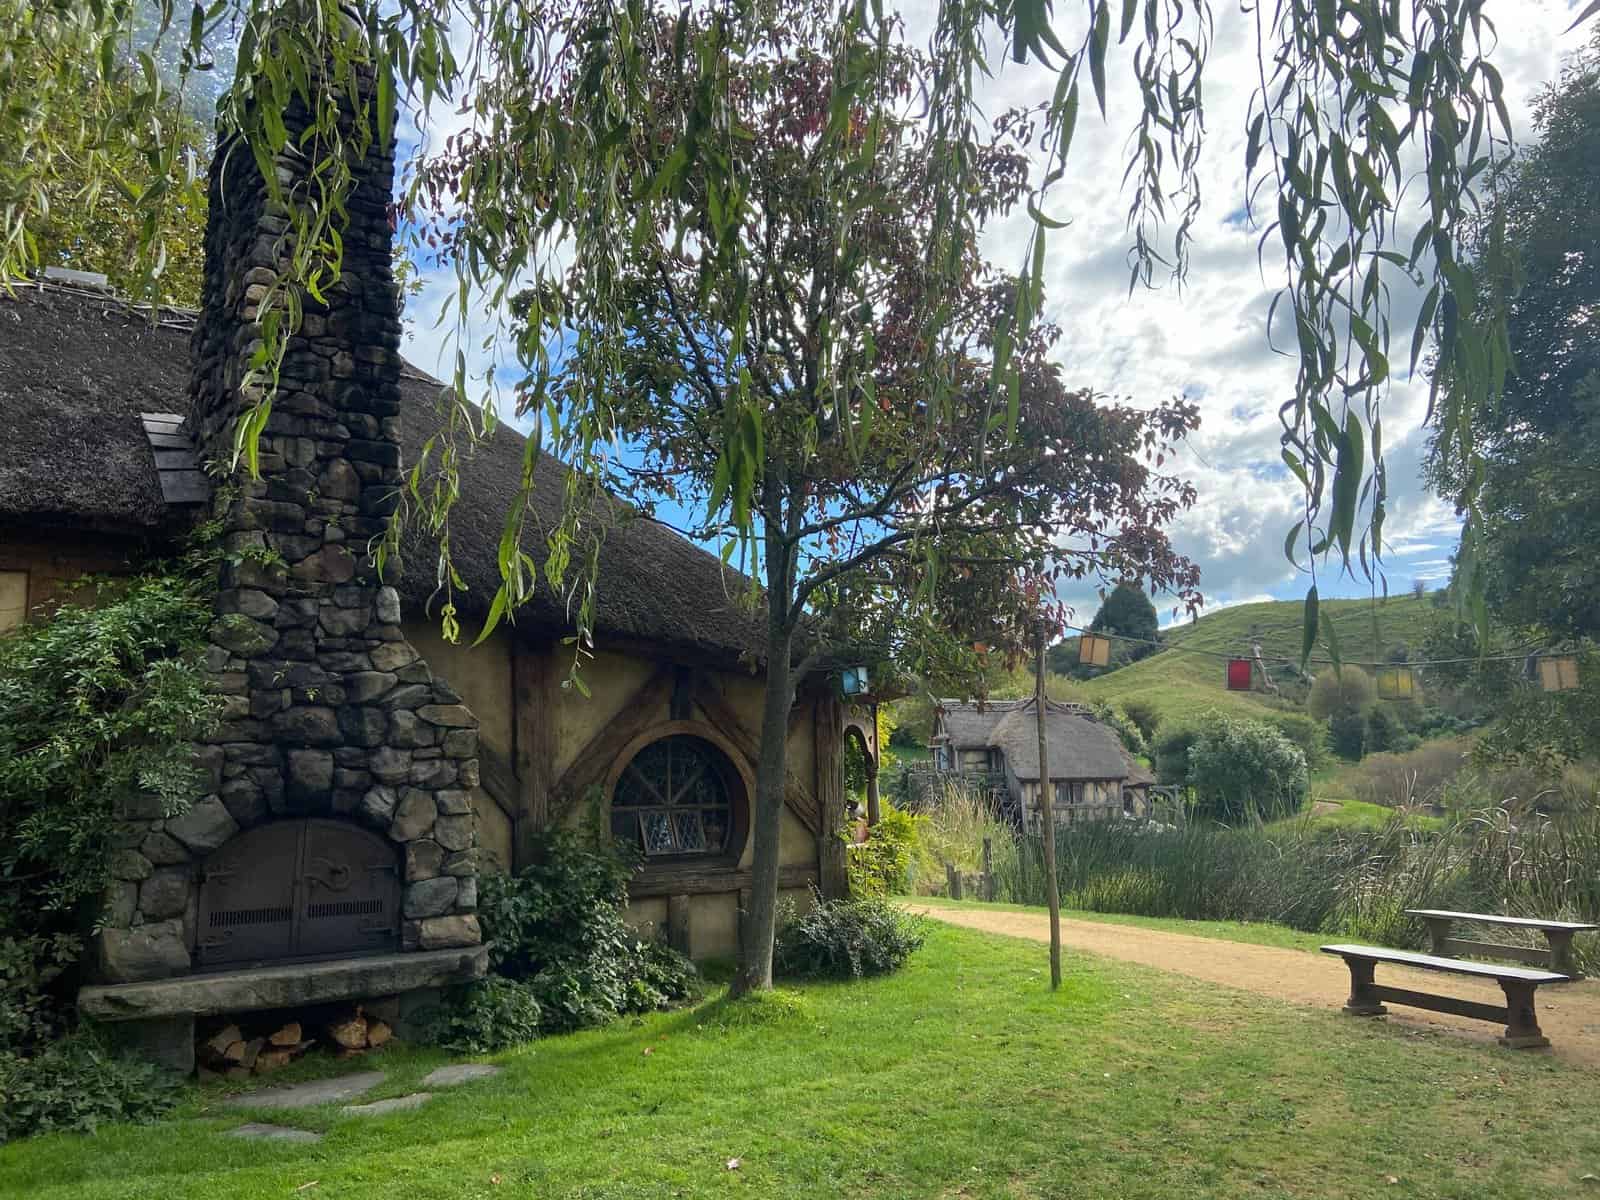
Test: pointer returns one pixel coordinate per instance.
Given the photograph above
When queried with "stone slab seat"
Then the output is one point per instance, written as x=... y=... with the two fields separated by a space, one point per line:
x=1518 y=984
x=283 y=985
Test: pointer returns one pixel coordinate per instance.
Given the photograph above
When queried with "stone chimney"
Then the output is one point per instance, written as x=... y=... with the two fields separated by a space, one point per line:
x=329 y=711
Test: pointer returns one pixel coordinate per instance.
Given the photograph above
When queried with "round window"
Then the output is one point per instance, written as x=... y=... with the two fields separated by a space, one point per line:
x=676 y=797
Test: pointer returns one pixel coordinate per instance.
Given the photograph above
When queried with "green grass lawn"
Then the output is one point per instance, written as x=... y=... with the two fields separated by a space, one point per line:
x=1258 y=933
x=961 y=1077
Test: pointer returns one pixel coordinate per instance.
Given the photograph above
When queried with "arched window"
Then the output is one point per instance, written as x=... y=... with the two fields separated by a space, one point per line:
x=677 y=796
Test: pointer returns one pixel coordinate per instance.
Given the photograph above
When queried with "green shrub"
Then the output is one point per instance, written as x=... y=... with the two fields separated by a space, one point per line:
x=1131 y=736
x=1347 y=735
x=843 y=939
x=881 y=866
x=31 y=972
x=76 y=1083
x=557 y=926
x=97 y=704
x=1348 y=689
x=1172 y=751
x=1144 y=714
x=1245 y=770
x=1311 y=736
x=483 y=1016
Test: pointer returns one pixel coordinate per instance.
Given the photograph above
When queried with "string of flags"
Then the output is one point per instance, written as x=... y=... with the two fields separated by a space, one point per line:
x=1555 y=672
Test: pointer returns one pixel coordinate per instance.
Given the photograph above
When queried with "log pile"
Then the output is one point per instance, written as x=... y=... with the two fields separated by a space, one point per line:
x=231 y=1053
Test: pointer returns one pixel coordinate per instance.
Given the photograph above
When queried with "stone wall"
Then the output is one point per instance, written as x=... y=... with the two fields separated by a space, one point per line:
x=327 y=709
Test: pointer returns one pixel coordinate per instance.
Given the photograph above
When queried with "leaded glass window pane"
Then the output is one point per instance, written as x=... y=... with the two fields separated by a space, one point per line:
x=673 y=799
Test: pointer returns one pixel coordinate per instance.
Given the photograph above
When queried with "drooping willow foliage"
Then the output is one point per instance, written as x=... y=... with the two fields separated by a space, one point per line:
x=1356 y=101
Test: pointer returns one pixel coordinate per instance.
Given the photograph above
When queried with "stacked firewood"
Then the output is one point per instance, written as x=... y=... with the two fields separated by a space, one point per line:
x=229 y=1052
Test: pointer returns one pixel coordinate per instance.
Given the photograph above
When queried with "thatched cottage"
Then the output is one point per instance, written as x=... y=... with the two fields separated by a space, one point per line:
x=1092 y=776
x=367 y=770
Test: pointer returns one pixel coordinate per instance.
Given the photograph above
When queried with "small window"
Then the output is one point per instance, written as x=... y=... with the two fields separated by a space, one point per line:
x=675 y=798
x=13 y=599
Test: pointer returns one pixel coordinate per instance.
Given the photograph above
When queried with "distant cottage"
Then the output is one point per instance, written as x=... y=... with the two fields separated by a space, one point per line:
x=1093 y=776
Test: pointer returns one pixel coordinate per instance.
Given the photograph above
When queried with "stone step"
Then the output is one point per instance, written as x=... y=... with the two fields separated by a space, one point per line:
x=379 y=1107
x=310 y=1094
x=458 y=1073
x=256 y=1131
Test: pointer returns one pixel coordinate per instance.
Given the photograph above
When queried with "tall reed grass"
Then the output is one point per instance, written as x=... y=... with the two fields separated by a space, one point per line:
x=950 y=829
x=1343 y=882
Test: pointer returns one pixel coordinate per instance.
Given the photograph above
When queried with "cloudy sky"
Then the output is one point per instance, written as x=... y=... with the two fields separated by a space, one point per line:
x=1208 y=342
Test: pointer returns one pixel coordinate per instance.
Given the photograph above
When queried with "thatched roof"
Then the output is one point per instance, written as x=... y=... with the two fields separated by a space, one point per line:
x=1080 y=747
x=78 y=367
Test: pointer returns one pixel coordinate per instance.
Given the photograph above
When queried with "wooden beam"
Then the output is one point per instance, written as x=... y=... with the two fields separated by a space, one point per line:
x=721 y=715
x=1436 y=1003
x=636 y=713
x=828 y=738
x=532 y=741
x=692 y=879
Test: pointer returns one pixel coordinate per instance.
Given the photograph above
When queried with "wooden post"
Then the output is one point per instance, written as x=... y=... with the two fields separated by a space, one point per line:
x=828 y=740
x=1047 y=816
x=874 y=802
x=952 y=879
x=988 y=869
x=678 y=923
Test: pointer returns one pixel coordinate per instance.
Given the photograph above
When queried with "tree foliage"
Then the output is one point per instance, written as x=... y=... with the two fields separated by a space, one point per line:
x=1245 y=770
x=1538 y=493
x=1346 y=93
x=98 y=704
x=1339 y=690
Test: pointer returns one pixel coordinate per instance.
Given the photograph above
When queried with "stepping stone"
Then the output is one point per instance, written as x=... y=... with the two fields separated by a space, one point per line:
x=275 y=1133
x=309 y=1095
x=458 y=1073
x=379 y=1107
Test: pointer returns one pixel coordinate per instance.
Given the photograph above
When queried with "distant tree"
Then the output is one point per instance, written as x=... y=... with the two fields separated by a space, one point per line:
x=1419 y=588
x=1347 y=734
x=1127 y=612
x=1171 y=750
x=1345 y=690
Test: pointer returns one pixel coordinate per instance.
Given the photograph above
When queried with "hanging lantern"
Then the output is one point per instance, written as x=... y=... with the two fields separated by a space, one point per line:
x=1558 y=672
x=1239 y=674
x=853 y=681
x=1396 y=683
x=1094 y=650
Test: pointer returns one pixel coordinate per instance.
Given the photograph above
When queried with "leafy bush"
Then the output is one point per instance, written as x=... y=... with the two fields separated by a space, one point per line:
x=76 y=1083
x=1347 y=735
x=1384 y=732
x=31 y=969
x=881 y=866
x=1245 y=770
x=97 y=704
x=483 y=1016
x=1311 y=736
x=844 y=939
x=1129 y=733
x=1348 y=689
x=557 y=926
x=1144 y=714
x=1172 y=751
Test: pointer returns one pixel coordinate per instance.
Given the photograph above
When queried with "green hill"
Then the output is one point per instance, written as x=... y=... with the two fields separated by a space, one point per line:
x=1181 y=683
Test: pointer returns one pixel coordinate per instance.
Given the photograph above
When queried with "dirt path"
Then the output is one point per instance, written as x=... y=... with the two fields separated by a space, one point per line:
x=1569 y=1013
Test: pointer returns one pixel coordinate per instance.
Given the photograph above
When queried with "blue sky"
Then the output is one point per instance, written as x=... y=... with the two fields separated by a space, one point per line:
x=1209 y=340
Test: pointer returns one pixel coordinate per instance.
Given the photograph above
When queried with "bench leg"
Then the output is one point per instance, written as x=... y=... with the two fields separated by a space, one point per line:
x=1522 y=1023
x=1561 y=952
x=1362 y=1002
x=1439 y=934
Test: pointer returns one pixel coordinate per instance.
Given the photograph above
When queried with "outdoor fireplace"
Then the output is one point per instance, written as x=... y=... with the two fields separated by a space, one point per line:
x=294 y=890
x=330 y=853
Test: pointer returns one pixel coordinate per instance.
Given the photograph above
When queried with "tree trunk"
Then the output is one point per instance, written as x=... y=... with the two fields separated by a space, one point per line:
x=1047 y=816
x=772 y=772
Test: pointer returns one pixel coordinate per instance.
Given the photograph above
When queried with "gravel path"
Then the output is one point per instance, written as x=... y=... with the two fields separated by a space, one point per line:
x=1569 y=1013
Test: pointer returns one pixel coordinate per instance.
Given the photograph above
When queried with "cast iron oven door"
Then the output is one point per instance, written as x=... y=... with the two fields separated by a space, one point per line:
x=299 y=890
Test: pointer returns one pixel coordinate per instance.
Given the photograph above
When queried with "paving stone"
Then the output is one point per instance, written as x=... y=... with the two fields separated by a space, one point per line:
x=309 y=1095
x=457 y=1073
x=379 y=1107
x=275 y=1133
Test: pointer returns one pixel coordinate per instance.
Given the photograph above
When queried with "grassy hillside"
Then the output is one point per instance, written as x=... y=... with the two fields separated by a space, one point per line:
x=1181 y=684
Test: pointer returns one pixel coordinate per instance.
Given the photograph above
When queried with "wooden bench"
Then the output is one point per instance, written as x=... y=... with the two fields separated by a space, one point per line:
x=1518 y=984
x=1557 y=934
